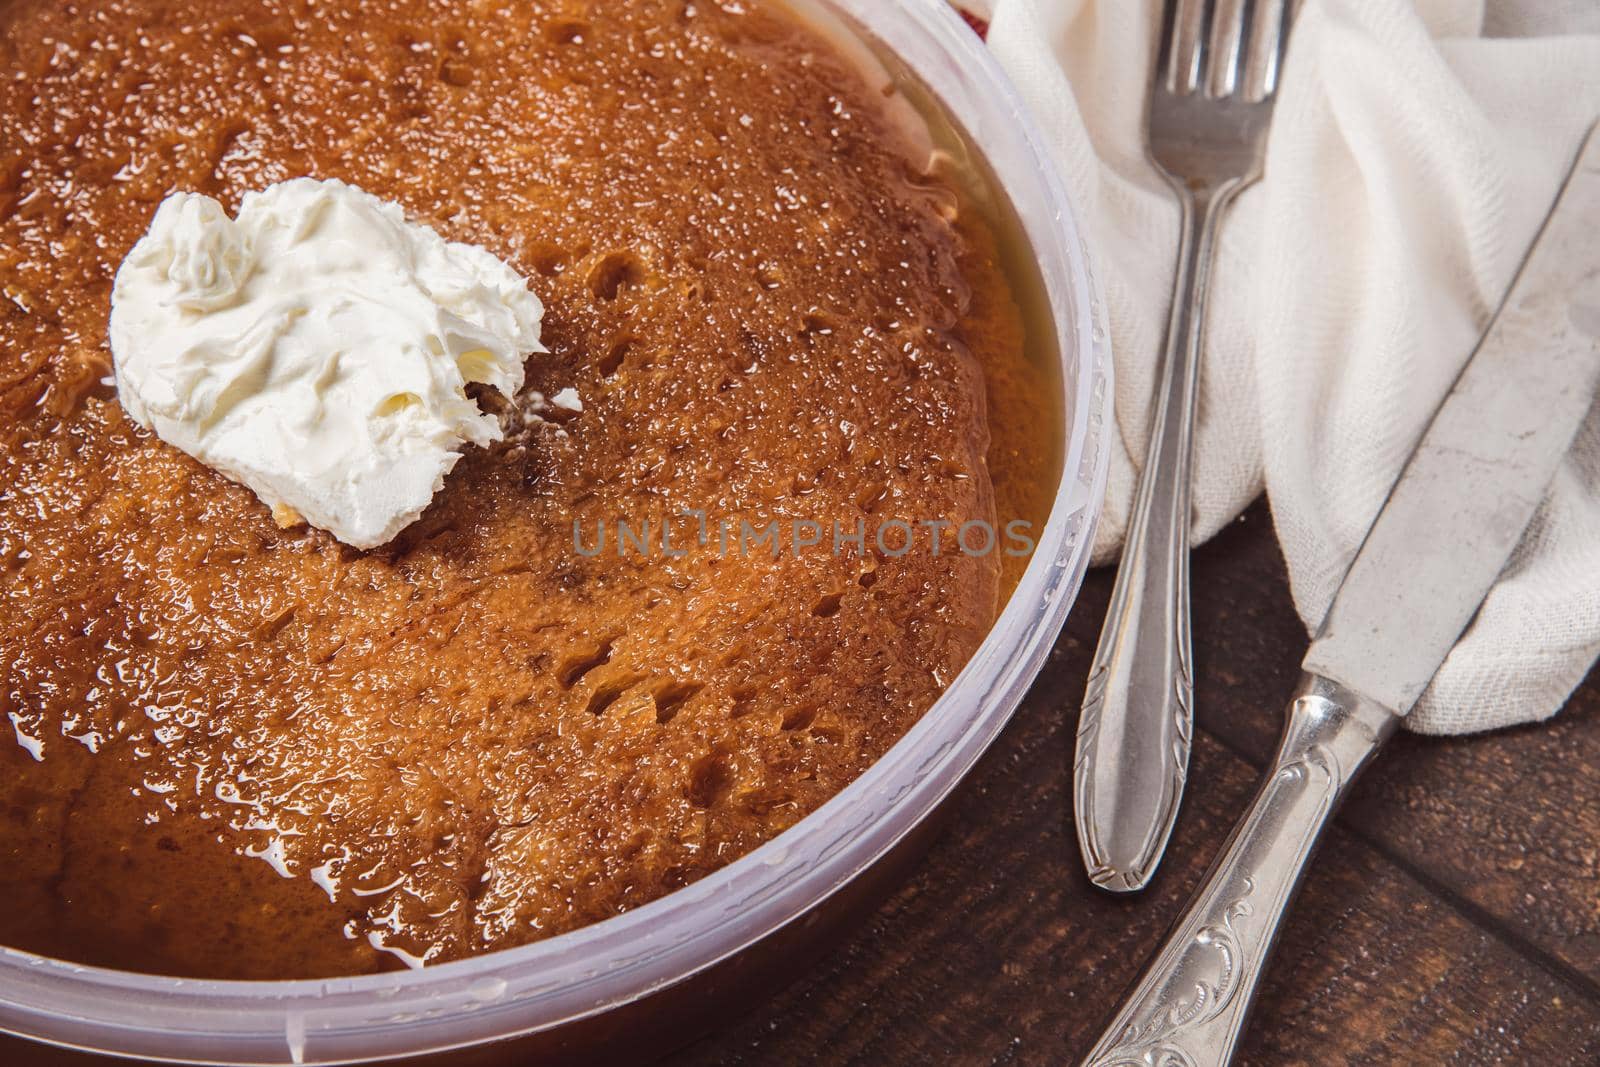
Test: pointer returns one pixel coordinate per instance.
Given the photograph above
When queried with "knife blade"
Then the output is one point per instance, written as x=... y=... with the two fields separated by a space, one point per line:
x=1463 y=501
x=1452 y=520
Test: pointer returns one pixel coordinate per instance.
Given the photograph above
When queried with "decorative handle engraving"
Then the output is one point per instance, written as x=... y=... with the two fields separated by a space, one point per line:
x=1137 y=720
x=1189 y=1008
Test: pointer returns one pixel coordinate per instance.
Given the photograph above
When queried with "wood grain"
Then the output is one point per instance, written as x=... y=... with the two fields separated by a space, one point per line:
x=1399 y=950
x=1506 y=825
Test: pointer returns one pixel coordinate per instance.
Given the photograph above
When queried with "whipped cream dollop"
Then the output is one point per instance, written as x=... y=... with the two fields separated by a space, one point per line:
x=317 y=349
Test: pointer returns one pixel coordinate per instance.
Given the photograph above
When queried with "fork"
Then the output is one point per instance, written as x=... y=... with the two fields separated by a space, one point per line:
x=1211 y=99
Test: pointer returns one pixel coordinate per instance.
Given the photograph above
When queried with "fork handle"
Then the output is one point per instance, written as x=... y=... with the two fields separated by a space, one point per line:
x=1190 y=1007
x=1137 y=718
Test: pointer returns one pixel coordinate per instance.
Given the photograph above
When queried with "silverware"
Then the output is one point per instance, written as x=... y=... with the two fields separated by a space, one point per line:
x=1210 y=103
x=1451 y=522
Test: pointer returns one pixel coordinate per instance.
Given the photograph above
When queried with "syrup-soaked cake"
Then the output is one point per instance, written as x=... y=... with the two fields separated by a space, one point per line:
x=242 y=751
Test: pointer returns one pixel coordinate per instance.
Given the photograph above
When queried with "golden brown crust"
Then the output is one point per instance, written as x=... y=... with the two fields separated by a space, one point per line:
x=477 y=736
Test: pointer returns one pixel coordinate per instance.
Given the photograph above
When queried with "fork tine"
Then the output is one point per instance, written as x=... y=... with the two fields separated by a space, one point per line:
x=1185 y=34
x=1230 y=47
x=1202 y=44
x=1199 y=32
x=1168 y=49
x=1272 y=42
x=1237 y=77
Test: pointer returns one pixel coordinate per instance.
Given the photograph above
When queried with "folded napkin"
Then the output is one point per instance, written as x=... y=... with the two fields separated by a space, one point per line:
x=1411 y=162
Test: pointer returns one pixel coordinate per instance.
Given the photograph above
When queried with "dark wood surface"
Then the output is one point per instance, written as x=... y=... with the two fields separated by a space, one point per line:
x=1453 y=916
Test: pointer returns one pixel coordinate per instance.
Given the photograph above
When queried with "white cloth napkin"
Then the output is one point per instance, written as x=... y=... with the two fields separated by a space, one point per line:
x=1411 y=162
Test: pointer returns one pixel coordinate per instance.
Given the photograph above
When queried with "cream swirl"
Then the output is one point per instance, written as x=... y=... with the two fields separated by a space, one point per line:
x=317 y=349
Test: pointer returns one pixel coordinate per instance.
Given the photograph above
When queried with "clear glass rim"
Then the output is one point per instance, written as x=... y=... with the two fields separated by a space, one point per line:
x=589 y=971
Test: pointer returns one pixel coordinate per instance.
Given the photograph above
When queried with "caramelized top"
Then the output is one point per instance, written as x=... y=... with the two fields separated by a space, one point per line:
x=268 y=755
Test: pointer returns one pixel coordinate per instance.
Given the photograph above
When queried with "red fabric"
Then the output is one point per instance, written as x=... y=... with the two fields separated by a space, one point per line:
x=976 y=23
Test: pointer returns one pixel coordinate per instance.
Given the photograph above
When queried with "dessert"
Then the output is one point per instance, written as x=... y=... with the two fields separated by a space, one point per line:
x=249 y=751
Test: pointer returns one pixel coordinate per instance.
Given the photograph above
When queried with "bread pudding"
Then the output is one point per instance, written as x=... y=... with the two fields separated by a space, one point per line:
x=604 y=662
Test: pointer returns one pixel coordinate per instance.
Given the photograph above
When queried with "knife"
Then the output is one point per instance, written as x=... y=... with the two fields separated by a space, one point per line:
x=1458 y=510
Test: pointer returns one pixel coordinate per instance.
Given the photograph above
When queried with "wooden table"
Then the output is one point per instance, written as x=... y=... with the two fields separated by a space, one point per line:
x=1453 y=916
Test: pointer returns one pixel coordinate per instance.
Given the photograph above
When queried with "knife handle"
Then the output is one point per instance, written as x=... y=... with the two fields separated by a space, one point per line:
x=1190 y=1006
